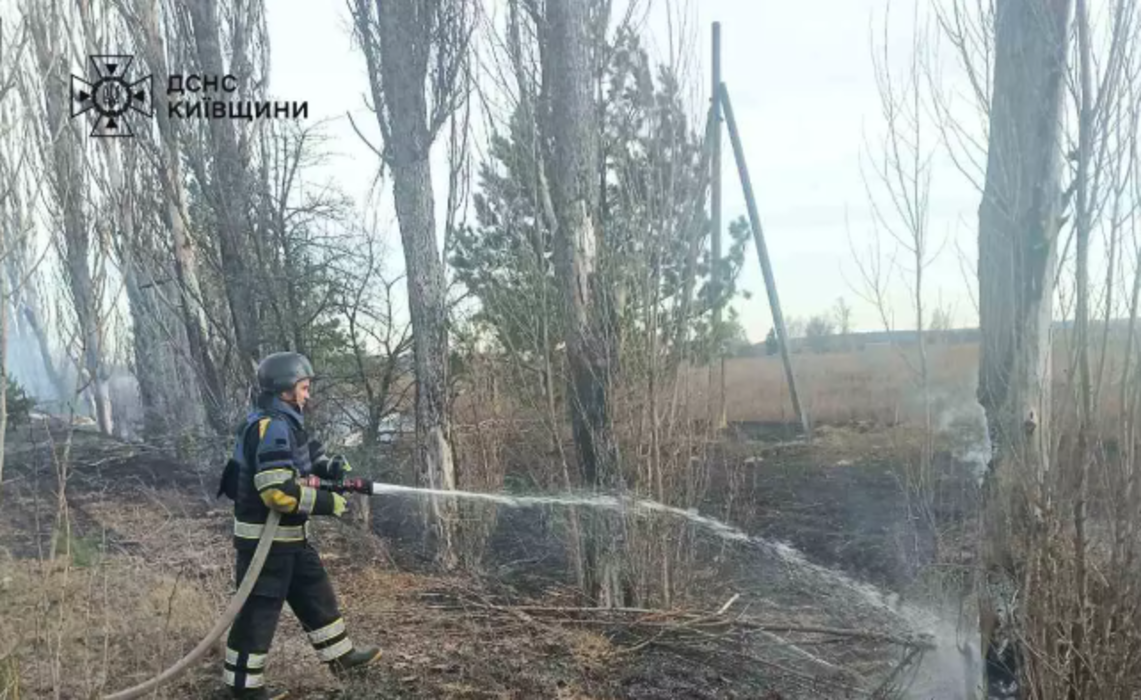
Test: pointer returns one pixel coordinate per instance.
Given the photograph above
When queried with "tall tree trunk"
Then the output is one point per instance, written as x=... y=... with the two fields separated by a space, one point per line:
x=229 y=194
x=1078 y=670
x=69 y=185
x=4 y=126
x=544 y=222
x=1019 y=219
x=4 y=242
x=412 y=187
x=162 y=410
x=406 y=38
x=148 y=351
x=174 y=200
x=573 y=174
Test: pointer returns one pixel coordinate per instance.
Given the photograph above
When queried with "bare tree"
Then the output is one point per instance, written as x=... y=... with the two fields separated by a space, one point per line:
x=413 y=49
x=843 y=316
x=166 y=156
x=382 y=380
x=67 y=170
x=572 y=172
x=1079 y=674
x=528 y=84
x=168 y=404
x=818 y=333
x=796 y=328
x=1019 y=220
x=10 y=175
x=900 y=204
x=1102 y=83
x=225 y=174
x=940 y=320
x=22 y=264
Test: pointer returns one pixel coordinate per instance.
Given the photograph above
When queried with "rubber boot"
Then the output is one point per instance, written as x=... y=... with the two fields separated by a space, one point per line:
x=354 y=661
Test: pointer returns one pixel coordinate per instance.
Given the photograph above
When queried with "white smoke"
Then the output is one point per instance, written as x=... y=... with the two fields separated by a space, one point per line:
x=963 y=425
x=26 y=367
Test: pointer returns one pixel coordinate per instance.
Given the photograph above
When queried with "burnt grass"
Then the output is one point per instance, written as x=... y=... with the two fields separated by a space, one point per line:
x=848 y=510
x=839 y=501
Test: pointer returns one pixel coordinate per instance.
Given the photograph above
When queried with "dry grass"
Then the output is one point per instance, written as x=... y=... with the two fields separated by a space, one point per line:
x=873 y=385
x=151 y=569
x=108 y=618
x=117 y=608
x=880 y=385
x=132 y=589
x=70 y=626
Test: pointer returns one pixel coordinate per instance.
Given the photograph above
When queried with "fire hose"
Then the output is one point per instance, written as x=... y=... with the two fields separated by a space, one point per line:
x=239 y=599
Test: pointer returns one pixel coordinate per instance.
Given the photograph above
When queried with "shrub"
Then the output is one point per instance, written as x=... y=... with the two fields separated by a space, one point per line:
x=20 y=405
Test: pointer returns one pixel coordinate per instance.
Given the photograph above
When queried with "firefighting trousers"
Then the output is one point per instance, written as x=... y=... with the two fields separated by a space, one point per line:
x=299 y=578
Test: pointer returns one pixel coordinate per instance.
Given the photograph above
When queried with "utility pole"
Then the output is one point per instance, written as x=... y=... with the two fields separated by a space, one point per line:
x=763 y=254
x=720 y=419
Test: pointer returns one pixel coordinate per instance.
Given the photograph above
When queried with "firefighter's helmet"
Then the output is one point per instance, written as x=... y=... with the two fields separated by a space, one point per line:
x=281 y=371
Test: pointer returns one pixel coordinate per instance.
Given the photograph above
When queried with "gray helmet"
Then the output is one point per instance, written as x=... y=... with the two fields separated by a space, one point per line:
x=282 y=370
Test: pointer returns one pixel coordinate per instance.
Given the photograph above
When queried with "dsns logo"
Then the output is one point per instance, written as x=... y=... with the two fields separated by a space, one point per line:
x=108 y=93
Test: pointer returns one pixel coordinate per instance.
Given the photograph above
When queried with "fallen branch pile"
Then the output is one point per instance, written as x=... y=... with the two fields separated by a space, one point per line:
x=781 y=647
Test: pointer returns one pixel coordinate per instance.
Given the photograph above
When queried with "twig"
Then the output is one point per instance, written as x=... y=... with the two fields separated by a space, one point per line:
x=921 y=643
x=586 y=610
x=728 y=603
x=806 y=655
x=882 y=687
x=793 y=673
x=682 y=620
x=517 y=613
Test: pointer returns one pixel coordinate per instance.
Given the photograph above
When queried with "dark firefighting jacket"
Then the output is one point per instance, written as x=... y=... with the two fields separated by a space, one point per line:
x=271 y=452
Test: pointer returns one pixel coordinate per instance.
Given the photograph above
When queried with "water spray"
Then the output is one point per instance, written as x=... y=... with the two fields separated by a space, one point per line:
x=605 y=502
x=622 y=504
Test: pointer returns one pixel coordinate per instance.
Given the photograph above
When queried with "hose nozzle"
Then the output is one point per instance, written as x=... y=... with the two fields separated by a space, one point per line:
x=338 y=486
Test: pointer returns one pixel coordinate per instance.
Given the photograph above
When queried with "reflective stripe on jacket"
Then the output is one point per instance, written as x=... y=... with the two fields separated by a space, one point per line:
x=273 y=450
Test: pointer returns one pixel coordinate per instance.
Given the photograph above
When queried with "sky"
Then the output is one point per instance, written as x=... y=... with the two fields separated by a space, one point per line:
x=803 y=88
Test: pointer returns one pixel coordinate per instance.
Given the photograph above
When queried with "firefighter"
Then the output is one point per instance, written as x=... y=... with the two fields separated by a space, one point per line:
x=272 y=451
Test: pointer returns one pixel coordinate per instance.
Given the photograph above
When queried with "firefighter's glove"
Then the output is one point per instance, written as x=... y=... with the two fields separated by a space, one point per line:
x=340 y=505
x=339 y=467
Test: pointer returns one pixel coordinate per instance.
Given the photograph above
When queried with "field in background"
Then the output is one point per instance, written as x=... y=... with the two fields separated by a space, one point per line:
x=880 y=384
x=870 y=385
